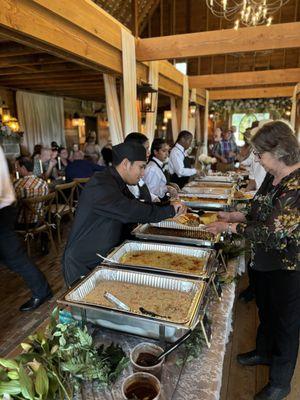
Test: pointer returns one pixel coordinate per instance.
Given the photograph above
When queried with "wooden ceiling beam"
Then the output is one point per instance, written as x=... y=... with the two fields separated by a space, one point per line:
x=59 y=76
x=255 y=93
x=28 y=60
x=224 y=41
x=253 y=78
x=16 y=49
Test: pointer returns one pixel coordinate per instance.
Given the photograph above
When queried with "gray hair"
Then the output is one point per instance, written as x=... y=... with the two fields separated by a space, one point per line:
x=277 y=138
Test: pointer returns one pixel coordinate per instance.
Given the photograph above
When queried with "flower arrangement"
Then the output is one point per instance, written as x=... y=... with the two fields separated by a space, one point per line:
x=277 y=107
x=7 y=132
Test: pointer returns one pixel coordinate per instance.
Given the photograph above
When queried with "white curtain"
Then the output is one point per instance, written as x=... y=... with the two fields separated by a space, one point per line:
x=41 y=118
x=129 y=82
x=151 y=117
x=192 y=118
x=205 y=150
x=294 y=106
x=174 y=118
x=185 y=105
x=198 y=126
x=113 y=109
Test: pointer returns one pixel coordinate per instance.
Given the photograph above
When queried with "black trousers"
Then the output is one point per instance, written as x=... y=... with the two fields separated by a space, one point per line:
x=278 y=301
x=13 y=255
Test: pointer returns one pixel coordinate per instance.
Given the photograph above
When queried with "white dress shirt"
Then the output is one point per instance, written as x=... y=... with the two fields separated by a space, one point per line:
x=134 y=189
x=7 y=194
x=155 y=178
x=176 y=162
x=256 y=171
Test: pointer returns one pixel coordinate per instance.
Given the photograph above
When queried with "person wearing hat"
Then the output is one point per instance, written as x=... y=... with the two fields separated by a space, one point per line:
x=105 y=208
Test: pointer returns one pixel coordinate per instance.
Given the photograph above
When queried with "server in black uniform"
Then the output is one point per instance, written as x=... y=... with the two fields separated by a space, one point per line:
x=105 y=207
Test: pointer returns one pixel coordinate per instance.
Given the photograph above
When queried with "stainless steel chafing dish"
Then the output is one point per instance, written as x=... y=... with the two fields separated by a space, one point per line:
x=128 y=321
x=217 y=177
x=163 y=232
x=208 y=254
x=216 y=191
x=213 y=204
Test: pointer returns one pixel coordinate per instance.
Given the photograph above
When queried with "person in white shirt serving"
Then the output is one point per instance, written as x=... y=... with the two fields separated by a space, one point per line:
x=179 y=164
x=154 y=176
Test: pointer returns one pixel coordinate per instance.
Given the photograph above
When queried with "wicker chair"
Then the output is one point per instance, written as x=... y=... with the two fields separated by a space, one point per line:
x=40 y=208
x=64 y=204
x=80 y=183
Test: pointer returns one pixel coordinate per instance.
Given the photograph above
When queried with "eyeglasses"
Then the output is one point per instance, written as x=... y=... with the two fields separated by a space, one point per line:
x=257 y=154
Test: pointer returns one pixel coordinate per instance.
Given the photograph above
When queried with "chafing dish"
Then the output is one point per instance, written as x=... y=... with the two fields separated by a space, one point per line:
x=206 y=201
x=129 y=321
x=217 y=177
x=208 y=254
x=182 y=234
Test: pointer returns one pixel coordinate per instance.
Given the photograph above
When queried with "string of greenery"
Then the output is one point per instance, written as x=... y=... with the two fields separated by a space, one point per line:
x=277 y=107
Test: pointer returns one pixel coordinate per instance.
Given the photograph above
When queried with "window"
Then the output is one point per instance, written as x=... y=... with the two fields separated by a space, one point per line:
x=182 y=67
x=244 y=121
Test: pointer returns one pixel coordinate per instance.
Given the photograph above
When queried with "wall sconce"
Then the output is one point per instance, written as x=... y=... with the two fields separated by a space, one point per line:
x=193 y=108
x=168 y=114
x=145 y=92
x=5 y=114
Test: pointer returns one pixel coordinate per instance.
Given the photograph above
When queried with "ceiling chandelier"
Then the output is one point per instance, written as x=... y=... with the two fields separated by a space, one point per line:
x=246 y=12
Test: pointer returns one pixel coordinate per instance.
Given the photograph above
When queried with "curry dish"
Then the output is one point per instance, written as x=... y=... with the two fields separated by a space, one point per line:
x=167 y=304
x=164 y=260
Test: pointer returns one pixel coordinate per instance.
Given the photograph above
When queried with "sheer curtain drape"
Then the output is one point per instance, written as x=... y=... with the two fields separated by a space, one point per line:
x=113 y=109
x=205 y=139
x=174 y=118
x=185 y=105
x=192 y=118
x=41 y=118
x=151 y=117
x=129 y=82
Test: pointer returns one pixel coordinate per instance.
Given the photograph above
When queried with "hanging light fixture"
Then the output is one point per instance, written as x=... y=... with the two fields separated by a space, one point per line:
x=77 y=120
x=145 y=94
x=193 y=108
x=246 y=12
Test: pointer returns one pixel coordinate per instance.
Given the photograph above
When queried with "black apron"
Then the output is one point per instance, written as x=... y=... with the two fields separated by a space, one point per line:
x=183 y=180
x=166 y=198
x=144 y=193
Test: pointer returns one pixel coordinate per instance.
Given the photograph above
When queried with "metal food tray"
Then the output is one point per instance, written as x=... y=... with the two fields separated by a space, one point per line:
x=210 y=184
x=142 y=232
x=206 y=190
x=169 y=224
x=208 y=254
x=128 y=321
x=218 y=178
x=205 y=205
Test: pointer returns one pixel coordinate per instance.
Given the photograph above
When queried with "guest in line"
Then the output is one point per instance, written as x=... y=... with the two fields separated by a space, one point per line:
x=81 y=168
x=225 y=152
x=272 y=225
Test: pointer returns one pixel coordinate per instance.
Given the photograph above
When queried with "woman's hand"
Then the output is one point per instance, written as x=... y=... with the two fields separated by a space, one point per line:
x=217 y=227
x=224 y=216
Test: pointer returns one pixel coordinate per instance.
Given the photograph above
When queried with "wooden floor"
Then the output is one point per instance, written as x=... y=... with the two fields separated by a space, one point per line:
x=239 y=383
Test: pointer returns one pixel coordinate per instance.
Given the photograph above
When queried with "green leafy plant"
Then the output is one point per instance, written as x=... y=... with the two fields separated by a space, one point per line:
x=55 y=363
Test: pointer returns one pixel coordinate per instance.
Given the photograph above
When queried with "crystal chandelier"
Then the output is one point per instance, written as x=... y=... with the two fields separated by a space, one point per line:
x=246 y=12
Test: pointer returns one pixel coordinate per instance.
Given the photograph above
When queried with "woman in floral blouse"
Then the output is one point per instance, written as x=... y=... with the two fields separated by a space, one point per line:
x=272 y=225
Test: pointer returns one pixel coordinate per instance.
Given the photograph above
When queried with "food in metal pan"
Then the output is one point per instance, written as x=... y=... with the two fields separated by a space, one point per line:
x=202 y=200
x=164 y=260
x=188 y=219
x=201 y=235
x=208 y=218
x=169 y=304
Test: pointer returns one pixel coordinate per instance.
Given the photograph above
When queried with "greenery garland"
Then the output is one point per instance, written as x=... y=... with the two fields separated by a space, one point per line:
x=6 y=132
x=277 y=107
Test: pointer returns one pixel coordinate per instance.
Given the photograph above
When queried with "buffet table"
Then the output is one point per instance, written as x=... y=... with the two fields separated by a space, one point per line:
x=182 y=378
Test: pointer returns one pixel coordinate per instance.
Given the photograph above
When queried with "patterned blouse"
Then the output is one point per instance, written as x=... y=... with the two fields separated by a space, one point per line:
x=273 y=224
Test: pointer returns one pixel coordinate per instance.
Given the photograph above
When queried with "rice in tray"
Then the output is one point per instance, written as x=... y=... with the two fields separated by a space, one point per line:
x=163 y=303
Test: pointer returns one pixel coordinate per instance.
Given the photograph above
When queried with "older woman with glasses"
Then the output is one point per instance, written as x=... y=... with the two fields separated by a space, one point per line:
x=272 y=225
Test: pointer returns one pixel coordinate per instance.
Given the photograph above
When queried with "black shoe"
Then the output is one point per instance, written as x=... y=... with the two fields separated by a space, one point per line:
x=270 y=392
x=35 y=302
x=252 y=358
x=247 y=295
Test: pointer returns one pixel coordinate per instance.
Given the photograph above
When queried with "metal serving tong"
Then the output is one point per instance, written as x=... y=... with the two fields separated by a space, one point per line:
x=174 y=346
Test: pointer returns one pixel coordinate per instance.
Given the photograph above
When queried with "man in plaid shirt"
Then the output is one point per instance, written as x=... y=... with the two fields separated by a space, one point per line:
x=225 y=151
x=29 y=186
